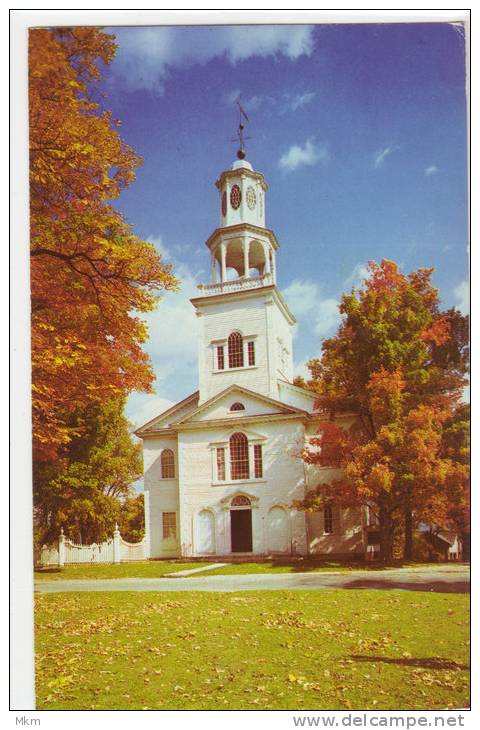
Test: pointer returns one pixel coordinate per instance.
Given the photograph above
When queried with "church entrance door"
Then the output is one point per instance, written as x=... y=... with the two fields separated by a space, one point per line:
x=241 y=530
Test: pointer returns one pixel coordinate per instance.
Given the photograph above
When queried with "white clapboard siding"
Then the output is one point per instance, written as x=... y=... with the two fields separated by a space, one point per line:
x=278 y=530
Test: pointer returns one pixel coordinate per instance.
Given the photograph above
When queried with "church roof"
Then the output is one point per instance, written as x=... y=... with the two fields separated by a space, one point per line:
x=175 y=417
x=304 y=391
x=170 y=416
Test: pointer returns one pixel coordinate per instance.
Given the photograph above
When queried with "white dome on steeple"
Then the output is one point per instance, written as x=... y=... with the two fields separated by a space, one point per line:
x=238 y=164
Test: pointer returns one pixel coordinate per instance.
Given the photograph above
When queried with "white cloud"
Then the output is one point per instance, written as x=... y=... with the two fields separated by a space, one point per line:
x=145 y=54
x=288 y=102
x=328 y=317
x=431 y=170
x=242 y=42
x=302 y=370
x=298 y=100
x=462 y=295
x=143 y=408
x=172 y=344
x=302 y=296
x=380 y=157
x=296 y=156
x=306 y=302
x=250 y=104
x=173 y=326
x=356 y=278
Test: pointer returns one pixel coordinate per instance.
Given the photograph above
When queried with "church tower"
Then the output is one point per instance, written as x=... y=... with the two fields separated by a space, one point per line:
x=245 y=335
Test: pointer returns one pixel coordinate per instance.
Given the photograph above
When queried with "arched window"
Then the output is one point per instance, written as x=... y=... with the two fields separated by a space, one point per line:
x=239 y=464
x=240 y=501
x=328 y=519
x=237 y=407
x=235 y=350
x=168 y=464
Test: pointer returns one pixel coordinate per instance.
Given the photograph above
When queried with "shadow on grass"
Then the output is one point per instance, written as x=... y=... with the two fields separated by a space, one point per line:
x=424 y=662
x=431 y=586
x=304 y=566
x=46 y=571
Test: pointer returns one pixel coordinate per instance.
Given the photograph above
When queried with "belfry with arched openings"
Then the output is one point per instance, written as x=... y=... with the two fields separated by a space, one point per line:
x=223 y=466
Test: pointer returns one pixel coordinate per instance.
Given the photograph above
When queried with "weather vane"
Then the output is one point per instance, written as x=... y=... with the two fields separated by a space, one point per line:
x=243 y=115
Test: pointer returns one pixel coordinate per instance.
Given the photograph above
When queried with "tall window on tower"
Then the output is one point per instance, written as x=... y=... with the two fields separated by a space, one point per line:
x=239 y=464
x=220 y=358
x=251 y=353
x=235 y=350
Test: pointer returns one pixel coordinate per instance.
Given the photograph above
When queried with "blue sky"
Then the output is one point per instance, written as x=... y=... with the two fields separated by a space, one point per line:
x=360 y=131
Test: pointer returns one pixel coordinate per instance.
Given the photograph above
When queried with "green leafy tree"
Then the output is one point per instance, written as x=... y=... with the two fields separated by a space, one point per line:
x=398 y=364
x=456 y=448
x=83 y=490
x=132 y=518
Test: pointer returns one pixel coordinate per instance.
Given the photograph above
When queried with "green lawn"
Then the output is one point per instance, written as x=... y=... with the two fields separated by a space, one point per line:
x=304 y=566
x=307 y=650
x=158 y=568
x=140 y=569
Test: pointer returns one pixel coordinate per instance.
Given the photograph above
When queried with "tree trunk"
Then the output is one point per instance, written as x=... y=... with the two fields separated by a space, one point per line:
x=408 y=544
x=386 y=535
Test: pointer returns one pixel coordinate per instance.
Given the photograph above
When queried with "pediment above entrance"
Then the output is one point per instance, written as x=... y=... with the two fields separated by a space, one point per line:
x=236 y=403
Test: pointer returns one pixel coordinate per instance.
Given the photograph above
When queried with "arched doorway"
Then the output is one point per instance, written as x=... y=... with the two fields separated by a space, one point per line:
x=277 y=530
x=241 y=525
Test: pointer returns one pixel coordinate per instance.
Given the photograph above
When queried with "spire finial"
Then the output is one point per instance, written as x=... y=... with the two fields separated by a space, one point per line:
x=241 y=154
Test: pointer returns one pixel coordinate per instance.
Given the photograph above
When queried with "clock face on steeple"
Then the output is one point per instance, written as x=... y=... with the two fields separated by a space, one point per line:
x=251 y=198
x=224 y=203
x=235 y=197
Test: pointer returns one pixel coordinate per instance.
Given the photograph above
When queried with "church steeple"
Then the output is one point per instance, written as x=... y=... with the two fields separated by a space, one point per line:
x=242 y=195
x=242 y=249
x=242 y=242
x=245 y=324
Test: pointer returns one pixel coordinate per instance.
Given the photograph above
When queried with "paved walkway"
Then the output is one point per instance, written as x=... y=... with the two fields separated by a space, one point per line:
x=192 y=571
x=438 y=579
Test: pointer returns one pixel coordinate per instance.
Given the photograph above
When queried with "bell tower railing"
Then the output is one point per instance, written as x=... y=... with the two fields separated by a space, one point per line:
x=241 y=284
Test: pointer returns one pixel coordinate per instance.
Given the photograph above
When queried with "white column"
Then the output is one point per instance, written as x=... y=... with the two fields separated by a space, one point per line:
x=246 y=250
x=228 y=532
x=274 y=267
x=146 y=508
x=116 y=544
x=214 y=270
x=251 y=461
x=228 y=473
x=223 y=253
x=266 y=251
x=61 y=549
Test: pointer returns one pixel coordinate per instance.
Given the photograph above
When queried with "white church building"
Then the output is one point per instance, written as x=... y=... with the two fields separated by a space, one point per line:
x=223 y=466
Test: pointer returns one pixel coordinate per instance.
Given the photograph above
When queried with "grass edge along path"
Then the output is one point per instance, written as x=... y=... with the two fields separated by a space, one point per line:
x=159 y=568
x=110 y=571
x=302 y=650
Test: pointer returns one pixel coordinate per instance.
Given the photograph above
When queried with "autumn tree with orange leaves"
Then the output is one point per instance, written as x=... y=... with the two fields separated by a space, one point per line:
x=91 y=276
x=398 y=364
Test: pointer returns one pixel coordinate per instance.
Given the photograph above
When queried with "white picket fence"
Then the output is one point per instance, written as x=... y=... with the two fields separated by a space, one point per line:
x=115 y=550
